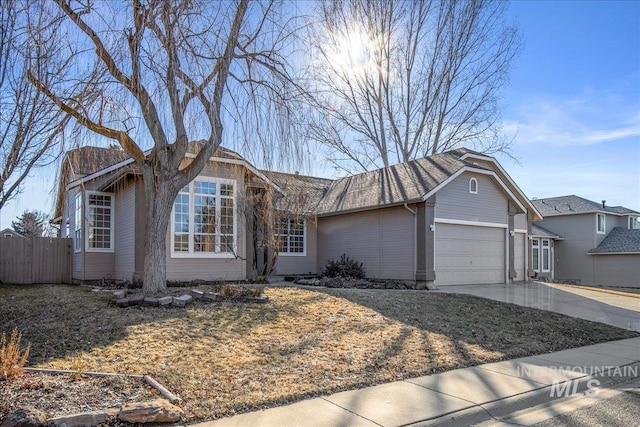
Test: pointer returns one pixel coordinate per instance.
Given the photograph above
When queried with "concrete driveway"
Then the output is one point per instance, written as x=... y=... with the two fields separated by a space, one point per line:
x=610 y=308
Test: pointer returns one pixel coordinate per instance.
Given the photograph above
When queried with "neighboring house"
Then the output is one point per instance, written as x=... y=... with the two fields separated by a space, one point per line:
x=595 y=244
x=8 y=232
x=452 y=218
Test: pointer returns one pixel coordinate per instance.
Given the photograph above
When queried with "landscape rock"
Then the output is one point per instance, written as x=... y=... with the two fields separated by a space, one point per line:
x=122 y=302
x=165 y=301
x=24 y=417
x=331 y=282
x=154 y=411
x=182 y=300
x=84 y=419
x=136 y=299
x=150 y=302
x=213 y=297
x=120 y=294
x=196 y=294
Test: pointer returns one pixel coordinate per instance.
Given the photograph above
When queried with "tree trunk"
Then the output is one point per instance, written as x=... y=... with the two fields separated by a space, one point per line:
x=159 y=200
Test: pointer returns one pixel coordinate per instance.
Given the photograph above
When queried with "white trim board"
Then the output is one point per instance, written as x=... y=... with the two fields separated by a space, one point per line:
x=471 y=223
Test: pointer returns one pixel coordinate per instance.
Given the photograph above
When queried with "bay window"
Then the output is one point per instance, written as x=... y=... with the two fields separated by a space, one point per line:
x=204 y=219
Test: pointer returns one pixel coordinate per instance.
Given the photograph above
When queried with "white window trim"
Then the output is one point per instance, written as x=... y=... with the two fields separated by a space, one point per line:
x=604 y=224
x=473 y=181
x=542 y=256
x=111 y=249
x=77 y=223
x=536 y=248
x=304 y=241
x=633 y=220
x=191 y=253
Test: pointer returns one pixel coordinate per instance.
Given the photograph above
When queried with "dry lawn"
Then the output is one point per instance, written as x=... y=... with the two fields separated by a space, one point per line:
x=226 y=358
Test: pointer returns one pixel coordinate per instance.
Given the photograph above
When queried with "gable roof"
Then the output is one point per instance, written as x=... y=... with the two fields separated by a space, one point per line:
x=302 y=193
x=538 y=231
x=86 y=163
x=397 y=184
x=10 y=231
x=570 y=205
x=619 y=240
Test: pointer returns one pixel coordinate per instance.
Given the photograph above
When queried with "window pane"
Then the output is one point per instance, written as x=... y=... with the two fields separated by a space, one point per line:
x=204 y=187
x=535 y=255
x=226 y=244
x=99 y=221
x=204 y=243
x=226 y=189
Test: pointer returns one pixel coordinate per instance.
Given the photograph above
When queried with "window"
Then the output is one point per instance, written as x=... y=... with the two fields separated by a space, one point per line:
x=291 y=236
x=99 y=222
x=601 y=228
x=473 y=186
x=7 y=235
x=633 y=223
x=535 y=255
x=77 y=224
x=546 y=258
x=204 y=219
x=541 y=255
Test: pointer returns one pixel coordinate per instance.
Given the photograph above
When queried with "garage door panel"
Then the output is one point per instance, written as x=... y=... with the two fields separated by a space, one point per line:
x=469 y=254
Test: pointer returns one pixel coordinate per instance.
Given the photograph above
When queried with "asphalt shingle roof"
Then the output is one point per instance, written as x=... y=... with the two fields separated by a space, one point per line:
x=392 y=185
x=301 y=193
x=574 y=205
x=536 y=230
x=619 y=240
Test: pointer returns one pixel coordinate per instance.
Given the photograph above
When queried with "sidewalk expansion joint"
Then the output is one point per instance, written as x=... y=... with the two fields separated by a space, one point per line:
x=350 y=411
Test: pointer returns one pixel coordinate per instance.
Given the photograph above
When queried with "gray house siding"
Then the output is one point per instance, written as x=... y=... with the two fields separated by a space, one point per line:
x=455 y=202
x=520 y=221
x=616 y=270
x=571 y=261
x=301 y=264
x=383 y=240
x=125 y=232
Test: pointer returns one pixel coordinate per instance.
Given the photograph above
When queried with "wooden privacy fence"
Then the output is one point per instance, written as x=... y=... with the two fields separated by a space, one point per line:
x=35 y=260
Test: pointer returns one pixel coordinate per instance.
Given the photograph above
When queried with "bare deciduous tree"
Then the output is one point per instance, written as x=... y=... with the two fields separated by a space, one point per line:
x=168 y=72
x=30 y=124
x=402 y=79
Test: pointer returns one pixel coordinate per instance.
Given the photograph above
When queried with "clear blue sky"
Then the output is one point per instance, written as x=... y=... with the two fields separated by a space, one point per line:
x=573 y=104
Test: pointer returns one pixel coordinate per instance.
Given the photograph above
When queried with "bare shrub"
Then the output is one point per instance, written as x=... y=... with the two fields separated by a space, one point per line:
x=11 y=360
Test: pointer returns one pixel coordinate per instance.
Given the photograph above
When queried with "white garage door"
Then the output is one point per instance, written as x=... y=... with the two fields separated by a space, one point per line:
x=519 y=255
x=469 y=255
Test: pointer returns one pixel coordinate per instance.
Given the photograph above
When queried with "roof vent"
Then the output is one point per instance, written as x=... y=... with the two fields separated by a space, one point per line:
x=297 y=173
x=603 y=204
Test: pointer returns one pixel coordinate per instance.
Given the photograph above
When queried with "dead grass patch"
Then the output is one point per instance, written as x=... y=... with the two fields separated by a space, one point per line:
x=226 y=358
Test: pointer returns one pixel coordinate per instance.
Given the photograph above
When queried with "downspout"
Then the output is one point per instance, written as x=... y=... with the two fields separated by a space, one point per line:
x=409 y=209
x=415 y=235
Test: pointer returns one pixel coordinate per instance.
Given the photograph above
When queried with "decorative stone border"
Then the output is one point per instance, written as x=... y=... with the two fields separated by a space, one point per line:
x=122 y=300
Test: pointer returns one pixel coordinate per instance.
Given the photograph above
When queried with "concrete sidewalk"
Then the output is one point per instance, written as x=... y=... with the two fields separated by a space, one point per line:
x=467 y=396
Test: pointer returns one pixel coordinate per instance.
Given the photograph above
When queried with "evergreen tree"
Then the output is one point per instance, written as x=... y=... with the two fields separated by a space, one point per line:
x=31 y=224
